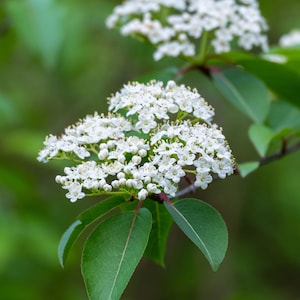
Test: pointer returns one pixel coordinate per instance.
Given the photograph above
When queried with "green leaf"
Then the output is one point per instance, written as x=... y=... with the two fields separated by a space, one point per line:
x=204 y=226
x=281 y=79
x=283 y=116
x=161 y=226
x=289 y=53
x=292 y=55
x=84 y=219
x=40 y=23
x=113 y=251
x=294 y=65
x=261 y=137
x=247 y=168
x=245 y=91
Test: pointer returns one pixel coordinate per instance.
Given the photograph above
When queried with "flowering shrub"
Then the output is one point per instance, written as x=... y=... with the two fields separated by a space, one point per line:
x=175 y=27
x=152 y=137
x=156 y=135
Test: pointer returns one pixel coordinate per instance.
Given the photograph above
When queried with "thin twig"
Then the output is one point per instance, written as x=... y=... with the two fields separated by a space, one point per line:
x=283 y=151
x=189 y=189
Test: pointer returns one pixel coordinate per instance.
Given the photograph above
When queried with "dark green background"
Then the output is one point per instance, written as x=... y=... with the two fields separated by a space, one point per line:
x=58 y=63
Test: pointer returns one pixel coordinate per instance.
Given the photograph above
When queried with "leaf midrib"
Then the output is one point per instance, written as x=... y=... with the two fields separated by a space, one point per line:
x=122 y=257
x=202 y=243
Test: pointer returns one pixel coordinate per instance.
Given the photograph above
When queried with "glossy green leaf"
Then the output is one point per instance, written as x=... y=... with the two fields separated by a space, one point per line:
x=281 y=79
x=261 y=137
x=204 y=226
x=247 y=168
x=113 y=251
x=161 y=226
x=283 y=116
x=245 y=91
x=84 y=219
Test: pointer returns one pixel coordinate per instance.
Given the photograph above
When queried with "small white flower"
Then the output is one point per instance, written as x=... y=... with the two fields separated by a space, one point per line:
x=75 y=191
x=169 y=188
x=121 y=175
x=103 y=154
x=175 y=173
x=146 y=123
x=202 y=180
x=164 y=163
x=185 y=158
x=152 y=188
x=136 y=159
x=107 y=188
x=142 y=194
x=142 y=152
x=115 y=184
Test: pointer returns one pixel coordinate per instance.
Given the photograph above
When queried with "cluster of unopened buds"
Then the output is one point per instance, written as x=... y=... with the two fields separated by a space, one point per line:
x=152 y=137
x=175 y=27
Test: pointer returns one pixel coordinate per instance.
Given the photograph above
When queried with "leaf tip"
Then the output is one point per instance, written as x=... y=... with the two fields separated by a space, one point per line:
x=246 y=168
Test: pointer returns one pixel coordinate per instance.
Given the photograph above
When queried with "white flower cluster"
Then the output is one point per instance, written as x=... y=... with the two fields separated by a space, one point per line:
x=174 y=26
x=89 y=131
x=290 y=39
x=152 y=102
x=142 y=152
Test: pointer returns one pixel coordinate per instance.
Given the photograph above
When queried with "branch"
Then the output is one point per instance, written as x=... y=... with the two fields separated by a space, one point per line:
x=284 y=151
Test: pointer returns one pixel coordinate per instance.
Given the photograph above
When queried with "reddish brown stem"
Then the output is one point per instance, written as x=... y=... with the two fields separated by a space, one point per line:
x=165 y=198
x=139 y=205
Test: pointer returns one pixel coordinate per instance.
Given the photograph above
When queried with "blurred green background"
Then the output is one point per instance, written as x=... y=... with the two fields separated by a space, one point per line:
x=58 y=63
